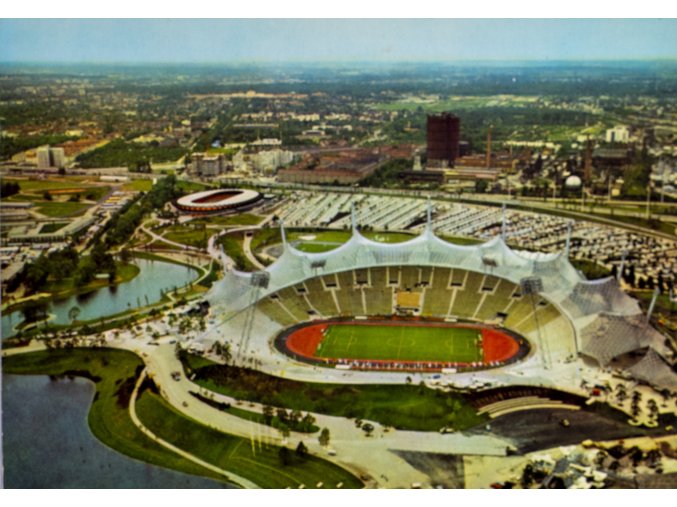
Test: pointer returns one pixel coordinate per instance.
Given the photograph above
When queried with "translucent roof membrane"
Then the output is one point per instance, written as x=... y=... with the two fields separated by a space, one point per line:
x=617 y=325
x=654 y=370
x=611 y=335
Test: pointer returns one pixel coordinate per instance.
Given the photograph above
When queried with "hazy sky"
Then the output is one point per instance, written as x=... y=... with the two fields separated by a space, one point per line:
x=245 y=40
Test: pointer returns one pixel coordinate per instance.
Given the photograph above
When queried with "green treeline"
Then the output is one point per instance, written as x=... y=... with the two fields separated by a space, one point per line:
x=55 y=267
x=12 y=145
x=388 y=174
x=9 y=188
x=120 y=153
x=123 y=225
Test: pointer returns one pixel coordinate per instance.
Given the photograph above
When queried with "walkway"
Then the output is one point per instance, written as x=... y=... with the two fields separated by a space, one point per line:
x=137 y=422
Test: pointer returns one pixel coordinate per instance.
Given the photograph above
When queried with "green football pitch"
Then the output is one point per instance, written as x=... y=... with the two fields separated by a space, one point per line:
x=403 y=343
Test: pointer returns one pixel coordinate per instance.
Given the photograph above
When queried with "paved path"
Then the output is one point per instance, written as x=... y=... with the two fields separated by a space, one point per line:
x=137 y=422
x=162 y=239
x=355 y=450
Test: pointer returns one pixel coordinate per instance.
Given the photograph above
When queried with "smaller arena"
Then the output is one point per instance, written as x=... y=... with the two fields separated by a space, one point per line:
x=218 y=201
x=417 y=345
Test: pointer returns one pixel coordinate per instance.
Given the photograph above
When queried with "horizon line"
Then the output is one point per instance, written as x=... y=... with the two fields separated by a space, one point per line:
x=340 y=61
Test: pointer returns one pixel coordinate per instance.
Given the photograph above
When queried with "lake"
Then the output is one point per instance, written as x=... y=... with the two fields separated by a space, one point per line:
x=47 y=442
x=146 y=288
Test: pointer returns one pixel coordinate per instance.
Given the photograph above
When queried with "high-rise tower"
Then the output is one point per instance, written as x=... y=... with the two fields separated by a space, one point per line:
x=443 y=131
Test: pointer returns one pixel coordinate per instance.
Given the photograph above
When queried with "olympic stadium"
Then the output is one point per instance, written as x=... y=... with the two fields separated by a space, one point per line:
x=534 y=319
x=217 y=201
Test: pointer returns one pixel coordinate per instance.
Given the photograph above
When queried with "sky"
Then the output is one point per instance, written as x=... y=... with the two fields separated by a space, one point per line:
x=293 y=40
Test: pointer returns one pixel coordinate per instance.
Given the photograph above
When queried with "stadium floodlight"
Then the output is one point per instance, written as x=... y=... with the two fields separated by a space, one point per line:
x=531 y=285
x=319 y=264
x=260 y=279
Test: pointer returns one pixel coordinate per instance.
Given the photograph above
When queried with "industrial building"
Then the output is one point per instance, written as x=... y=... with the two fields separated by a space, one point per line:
x=443 y=132
x=341 y=167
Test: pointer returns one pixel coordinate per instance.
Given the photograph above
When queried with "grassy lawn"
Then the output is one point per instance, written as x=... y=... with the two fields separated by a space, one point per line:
x=241 y=219
x=275 y=422
x=260 y=464
x=213 y=275
x=191 y=186
x=590 y=269
x=399 y=406
x=188 y=235
x=115 y=373
x=137 y=186
x=460 y=240
x=39 y=186
x=320 y=240
x=61 y=209
x=406 y=343
x=52 y=227
x=232 y=246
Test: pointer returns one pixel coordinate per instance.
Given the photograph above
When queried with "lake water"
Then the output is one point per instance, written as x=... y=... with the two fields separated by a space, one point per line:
x=145 y=288
x=47 y=442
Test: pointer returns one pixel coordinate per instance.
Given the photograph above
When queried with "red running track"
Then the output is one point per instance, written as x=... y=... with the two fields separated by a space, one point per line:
x=497 y=346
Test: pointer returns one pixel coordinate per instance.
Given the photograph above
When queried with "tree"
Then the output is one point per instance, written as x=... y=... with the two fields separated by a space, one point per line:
x=284 y=429
x=125 y=255
x=34 y=311
x=368 y=428
x=73 y=313
x=481 y=186
x=301 y=451
x=46 y=195
x=324 y=437
x=284 y=455
x=307 y=422
x=268 y=414
x=295 y=417
x=282 y=415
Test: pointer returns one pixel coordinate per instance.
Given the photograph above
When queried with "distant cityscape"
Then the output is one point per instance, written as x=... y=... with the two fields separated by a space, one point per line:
x=429 y=275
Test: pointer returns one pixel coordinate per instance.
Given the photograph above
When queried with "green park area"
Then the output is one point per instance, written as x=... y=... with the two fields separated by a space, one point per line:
x=121 y=153
x=52 y=227
x=400 y=406
x=57 y=197
x=195 y=235
x=401 y=342
x=137 y=186
x=231 y=220
x=60 y=209
x=115 y=373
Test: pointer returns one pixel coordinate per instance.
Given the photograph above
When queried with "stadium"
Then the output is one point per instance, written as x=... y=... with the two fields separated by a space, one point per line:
x=486 y=315
x=217 y=201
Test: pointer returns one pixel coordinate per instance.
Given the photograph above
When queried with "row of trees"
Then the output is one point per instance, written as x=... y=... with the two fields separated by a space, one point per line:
x=122 y=226
x=648 y=282
x=8 y=188
x=64 y=264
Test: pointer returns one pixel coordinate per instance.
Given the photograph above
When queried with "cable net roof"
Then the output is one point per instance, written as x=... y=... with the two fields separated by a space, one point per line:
x=654 y=370
x=609 y=336
x=617 y=327
x=233 y=292
x=597 y=296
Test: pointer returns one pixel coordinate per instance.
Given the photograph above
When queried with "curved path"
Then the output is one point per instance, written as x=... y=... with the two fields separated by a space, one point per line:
x=137 y=422
x=162 y=239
